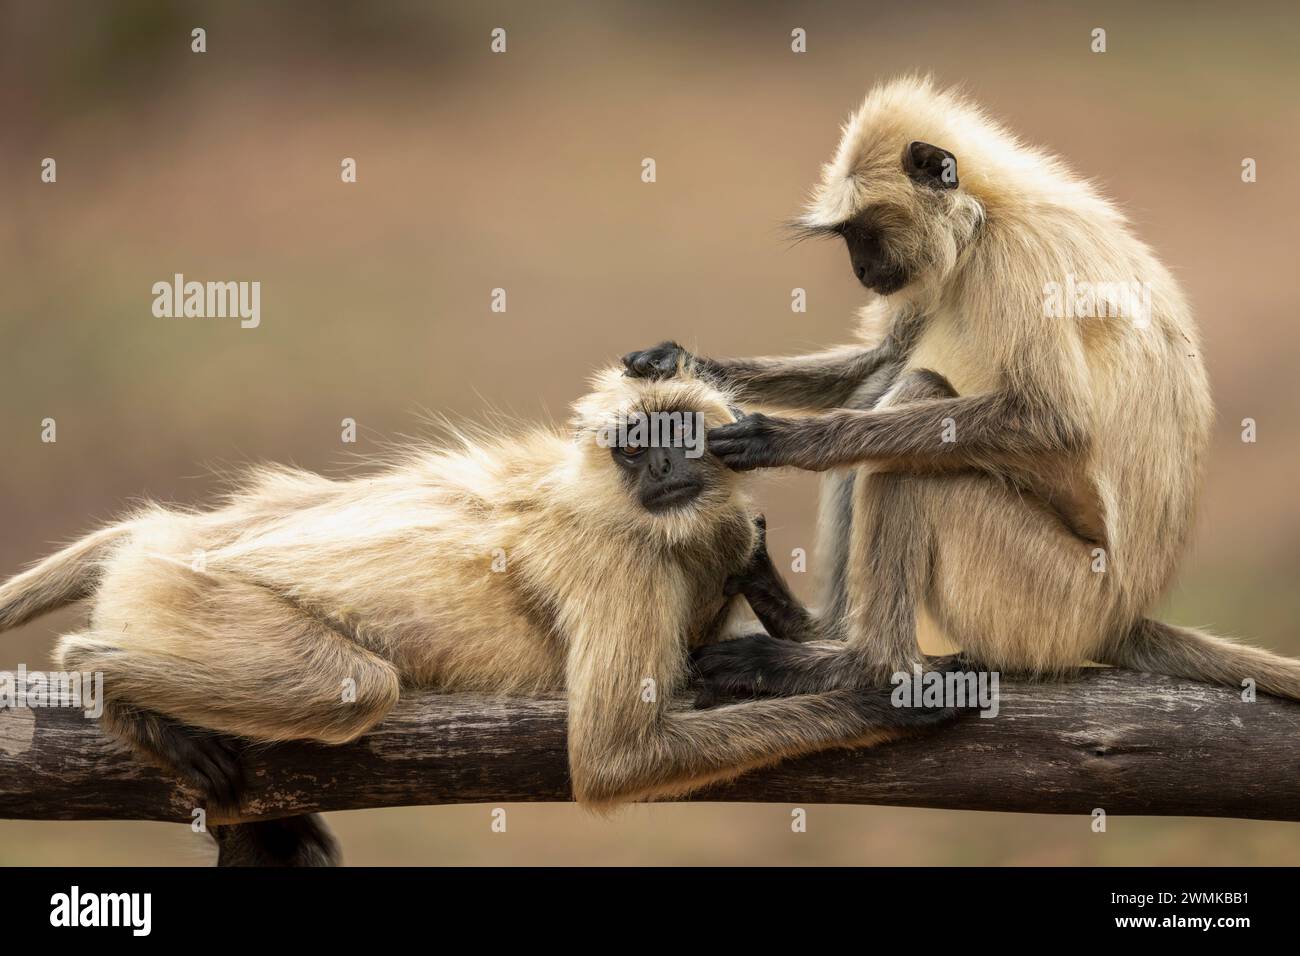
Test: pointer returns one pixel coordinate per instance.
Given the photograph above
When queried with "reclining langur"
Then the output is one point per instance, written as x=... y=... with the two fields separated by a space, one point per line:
x=539 y=563
x=1021 y=465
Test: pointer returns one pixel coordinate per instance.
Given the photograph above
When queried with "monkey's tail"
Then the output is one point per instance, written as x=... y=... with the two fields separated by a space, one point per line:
x=1160 y=648
x=64 y=577
x=288 y=841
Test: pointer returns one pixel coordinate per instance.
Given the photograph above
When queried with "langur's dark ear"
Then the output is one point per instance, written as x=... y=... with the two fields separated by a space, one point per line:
x=930 y=166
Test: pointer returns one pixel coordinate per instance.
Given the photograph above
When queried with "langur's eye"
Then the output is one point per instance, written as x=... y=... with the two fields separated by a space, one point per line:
x=631 y=451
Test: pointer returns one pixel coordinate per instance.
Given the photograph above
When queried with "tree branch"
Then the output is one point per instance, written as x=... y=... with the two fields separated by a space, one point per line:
x=1128 y=743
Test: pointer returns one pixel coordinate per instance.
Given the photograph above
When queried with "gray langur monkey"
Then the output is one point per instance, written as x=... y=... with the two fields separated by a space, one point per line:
x=1022 y=468
x=550 y=561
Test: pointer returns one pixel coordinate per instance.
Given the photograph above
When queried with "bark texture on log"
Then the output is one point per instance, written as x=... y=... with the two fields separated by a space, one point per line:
x=1127 y=743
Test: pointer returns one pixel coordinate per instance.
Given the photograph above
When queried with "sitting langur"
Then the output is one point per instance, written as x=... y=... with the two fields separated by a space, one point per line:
x=1016 y=448
x=299 y=608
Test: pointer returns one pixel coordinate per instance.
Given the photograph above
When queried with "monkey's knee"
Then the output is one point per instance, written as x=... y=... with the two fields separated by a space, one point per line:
x=920 y=384
x=1010 y=585
x=333 y=705
x=365 y=698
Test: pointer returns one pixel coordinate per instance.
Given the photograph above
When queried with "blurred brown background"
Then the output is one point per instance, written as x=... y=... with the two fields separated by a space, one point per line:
x=522 y=171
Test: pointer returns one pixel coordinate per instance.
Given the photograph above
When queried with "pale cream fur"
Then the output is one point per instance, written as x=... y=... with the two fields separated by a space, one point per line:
x=301 y=606
x=1010 y=584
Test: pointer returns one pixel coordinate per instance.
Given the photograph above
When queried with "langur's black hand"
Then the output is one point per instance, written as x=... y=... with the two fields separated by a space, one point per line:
x=705 y=697
x=758 y=441
x=662 y=361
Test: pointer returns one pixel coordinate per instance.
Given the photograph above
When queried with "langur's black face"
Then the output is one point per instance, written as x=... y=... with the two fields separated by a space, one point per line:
x=873 y=235
x=865 y=238
x=668 y=475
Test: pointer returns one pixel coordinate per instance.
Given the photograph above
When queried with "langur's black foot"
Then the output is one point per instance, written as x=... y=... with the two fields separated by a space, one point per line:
x=205 y=760
x=764 y=665
x=761 y=665
x=288 y=841
x=210 y=763
x=705 y=697
x=881 y=707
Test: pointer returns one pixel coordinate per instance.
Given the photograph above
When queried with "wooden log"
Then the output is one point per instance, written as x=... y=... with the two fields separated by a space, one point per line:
x=1125 y=742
